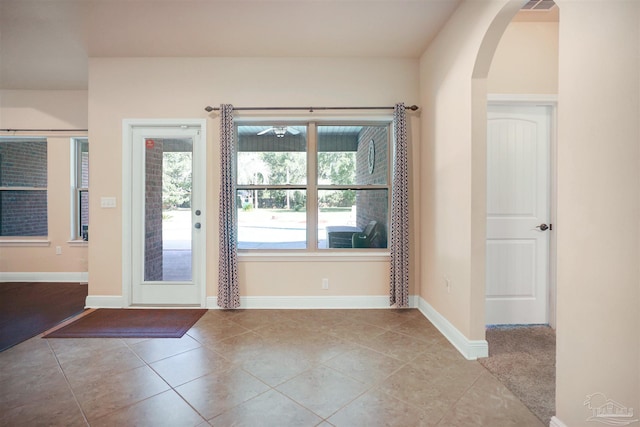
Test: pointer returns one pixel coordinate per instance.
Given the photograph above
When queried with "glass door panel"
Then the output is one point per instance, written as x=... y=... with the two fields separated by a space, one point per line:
x=168 y=216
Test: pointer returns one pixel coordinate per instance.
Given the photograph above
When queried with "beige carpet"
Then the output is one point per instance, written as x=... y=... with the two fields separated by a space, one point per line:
x=523 y=358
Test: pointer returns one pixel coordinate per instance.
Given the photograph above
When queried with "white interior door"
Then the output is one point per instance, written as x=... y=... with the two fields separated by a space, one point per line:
x=518 y=214
x=167 y=223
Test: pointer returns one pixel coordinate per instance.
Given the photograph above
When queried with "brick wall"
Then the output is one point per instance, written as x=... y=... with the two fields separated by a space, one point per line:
x=372 y=205
x=153 y=211
x=23 y=163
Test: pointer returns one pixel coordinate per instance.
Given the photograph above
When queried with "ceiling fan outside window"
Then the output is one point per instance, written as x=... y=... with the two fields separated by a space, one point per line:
x=280 y=131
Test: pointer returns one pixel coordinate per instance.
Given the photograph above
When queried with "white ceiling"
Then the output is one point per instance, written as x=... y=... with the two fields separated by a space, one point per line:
x=45 y=44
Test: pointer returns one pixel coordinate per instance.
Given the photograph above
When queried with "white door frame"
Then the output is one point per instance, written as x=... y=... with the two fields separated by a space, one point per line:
x=128 y=125
x=551 y=101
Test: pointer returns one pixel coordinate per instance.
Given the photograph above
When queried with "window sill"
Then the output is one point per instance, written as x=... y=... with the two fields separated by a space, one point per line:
x=78 y=243
x=24 y=243
x=378 y=256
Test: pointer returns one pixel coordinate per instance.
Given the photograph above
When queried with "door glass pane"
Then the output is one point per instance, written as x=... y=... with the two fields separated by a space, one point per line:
x=168 y=219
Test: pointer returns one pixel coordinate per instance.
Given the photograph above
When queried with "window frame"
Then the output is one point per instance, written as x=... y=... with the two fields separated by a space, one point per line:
x=312 y=187
x=76 y=187
x=28 y=238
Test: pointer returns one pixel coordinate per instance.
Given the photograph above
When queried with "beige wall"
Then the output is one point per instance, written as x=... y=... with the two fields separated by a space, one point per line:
x=181 y=88
x=48 y=110
x=598 y=333
x=526 y=60
x=452 y=209
x=43 y=109
x=303 y=278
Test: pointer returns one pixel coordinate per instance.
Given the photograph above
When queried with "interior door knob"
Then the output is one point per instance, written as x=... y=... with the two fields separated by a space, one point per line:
x=542 y=227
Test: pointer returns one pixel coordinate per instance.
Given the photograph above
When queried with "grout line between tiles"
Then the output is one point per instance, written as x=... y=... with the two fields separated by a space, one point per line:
x=64 y=374
x=454 y=404
x=146 y=398
x=171 y=388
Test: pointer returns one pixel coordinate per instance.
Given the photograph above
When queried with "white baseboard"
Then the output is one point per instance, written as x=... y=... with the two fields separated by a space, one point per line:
x=104 y=301
x=80 y=277
x=272 y=302
x=470 y=349
x=310 y=302
x=555 y=422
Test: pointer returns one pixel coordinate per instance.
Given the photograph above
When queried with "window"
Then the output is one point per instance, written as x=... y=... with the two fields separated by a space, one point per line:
x=80 y=185
x=23 y=187
x=313 y=186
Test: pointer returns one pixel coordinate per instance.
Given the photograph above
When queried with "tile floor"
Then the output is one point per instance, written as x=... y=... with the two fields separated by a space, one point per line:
x=259 y=368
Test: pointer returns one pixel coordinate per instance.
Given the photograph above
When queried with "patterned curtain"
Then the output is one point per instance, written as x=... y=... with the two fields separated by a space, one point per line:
x=399 y=287
x=228 y=289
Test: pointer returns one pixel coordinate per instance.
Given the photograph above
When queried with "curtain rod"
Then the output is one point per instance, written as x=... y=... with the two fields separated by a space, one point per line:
x=44 y=130
x=209 y=109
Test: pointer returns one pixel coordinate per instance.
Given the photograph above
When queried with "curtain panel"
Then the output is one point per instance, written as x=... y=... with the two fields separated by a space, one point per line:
x=399 y=247
x=228 y=288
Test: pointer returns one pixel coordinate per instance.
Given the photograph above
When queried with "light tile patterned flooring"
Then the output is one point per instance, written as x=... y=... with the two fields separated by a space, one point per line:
x=259 y=368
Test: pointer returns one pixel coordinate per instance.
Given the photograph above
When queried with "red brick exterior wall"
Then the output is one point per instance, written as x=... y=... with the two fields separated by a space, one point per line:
x=153 y=263
x=372 y=205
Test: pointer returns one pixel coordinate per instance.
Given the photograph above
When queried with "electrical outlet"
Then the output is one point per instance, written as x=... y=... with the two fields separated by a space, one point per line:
x=325 y=283
x=58 y=250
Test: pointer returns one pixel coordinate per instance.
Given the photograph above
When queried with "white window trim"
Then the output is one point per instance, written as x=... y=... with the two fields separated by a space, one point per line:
x=320 y=255
x=22 y=242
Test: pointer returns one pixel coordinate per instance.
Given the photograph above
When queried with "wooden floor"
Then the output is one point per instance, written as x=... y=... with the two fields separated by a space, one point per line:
x=28 y=309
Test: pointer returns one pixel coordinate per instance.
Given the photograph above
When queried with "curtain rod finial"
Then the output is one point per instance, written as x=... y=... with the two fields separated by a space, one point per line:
x=413 y=108
x=208 y=108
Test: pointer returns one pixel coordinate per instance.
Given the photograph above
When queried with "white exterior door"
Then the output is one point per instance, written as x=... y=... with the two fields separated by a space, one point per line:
x=518 y=214
x=167 y=216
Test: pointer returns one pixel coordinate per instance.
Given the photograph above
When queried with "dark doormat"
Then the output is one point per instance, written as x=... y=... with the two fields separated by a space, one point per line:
x=131 y=323
x=28 y=309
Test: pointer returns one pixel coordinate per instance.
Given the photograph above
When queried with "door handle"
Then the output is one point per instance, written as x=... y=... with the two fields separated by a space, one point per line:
x=197 y=225
x=544 y=227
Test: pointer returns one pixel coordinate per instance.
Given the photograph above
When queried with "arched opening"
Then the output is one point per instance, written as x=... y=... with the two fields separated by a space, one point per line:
x=514 y=89
x=521 y=82
x=505 y=84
